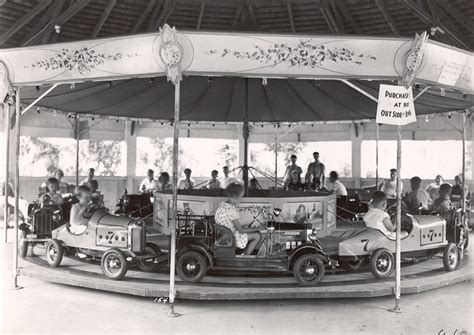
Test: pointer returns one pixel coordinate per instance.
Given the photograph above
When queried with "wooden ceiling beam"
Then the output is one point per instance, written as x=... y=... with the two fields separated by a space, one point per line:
x=38 y=26
x=154 y=15
x=348 y=16
x=290 y=15
x=24 y=21
x=386 y=14
x=328 y=21
x=143 y=16
x=58 y=6
x=457 y=15
x=165 y=12
x=428 y=19
x=337 y=16
x=236 y=20
x=71 y=11
x=201 y=14
x=103 y=18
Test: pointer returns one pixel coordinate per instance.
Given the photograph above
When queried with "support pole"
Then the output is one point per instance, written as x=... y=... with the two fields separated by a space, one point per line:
x=276 y=162
x=377 y=137
x=399 y=221
x=6 y=213
x=245 y=170
x=174 y=204
x=17 y=192
x=77 y=150
x=463 y=194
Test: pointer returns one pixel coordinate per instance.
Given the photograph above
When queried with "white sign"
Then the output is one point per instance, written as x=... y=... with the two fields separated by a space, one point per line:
x=395 y=105
x=450 y=74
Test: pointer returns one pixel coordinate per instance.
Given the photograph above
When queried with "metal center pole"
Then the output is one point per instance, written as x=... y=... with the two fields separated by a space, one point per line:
x=77 y=150
x=463 y=193
x=17 y=192
x=6 y=213
x=276 y=162
x=377 y=136
x=399 y=221
x=174 y=205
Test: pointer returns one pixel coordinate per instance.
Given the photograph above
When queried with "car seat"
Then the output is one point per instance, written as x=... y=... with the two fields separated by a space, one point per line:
x=224 y=237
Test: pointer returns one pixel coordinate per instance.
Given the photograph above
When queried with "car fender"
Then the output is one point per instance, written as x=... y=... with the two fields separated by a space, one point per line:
x=196 y=247
x=306 y=249
x=363 y=243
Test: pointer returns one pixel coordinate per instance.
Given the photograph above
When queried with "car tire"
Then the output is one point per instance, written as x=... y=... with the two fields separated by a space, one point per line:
x=352 y=266
x=381 y=263
x=450 y=257
x=54 y=252
x=114 y=264
x=150 y=266
x=191 y=266
x=23 y=245
x=308 y=270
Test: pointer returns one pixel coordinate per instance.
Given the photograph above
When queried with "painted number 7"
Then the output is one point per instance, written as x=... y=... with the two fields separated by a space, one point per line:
x=366 y=243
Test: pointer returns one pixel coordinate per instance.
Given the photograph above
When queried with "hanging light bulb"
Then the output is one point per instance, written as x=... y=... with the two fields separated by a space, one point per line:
x=442 y=91
x=37 y=110
x=72 y=86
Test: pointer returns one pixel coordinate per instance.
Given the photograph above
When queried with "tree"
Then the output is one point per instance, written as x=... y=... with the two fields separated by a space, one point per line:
x=40 y=150
x=229 y=155
x=160 y=157
x=106 y=155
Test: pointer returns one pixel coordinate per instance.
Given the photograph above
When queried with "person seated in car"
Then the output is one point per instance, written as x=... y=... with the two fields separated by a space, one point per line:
x=63 y=186
x=52 y=190
x=227 y=215
x=378 y=218
x=164 y=182
x=214 y=183
x=433 y=188
x=418 y=198
x=443 y=202
x=294 y=183
x=149 y=184
x=78 y=223
x=335 y=185
x=96 y=196
x=456 y=191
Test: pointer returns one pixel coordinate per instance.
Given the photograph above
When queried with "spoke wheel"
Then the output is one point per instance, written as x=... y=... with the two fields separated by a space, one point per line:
x=381 y=263
x=114 y=264
x=149 y=265
x=308 y=270
x=450 y=257
x=192 y=266
x=54 y=252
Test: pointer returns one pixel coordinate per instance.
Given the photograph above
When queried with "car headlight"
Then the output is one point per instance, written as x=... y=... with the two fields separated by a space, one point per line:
x=56 y=217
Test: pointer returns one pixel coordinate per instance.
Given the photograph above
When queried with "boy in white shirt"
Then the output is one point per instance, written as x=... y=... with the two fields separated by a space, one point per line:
x=377 y=218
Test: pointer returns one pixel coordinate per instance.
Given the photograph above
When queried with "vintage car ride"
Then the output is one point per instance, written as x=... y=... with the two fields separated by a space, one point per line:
x=203 y=245
x=425 y=236
x=119 y=241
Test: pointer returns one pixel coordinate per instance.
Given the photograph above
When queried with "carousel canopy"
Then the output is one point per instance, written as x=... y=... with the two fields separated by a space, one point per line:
x=224 y=99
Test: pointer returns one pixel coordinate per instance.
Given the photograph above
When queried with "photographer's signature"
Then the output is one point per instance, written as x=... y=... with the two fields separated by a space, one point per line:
x=455 y=332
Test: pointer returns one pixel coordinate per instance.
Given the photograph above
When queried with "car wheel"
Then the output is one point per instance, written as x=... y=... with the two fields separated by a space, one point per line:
x=114 y=264
x=191 y=266
x=308 y=270
x=23 y=245
x=352 y=265
x=450 y=257
x=54 y=252
x=381 y=263
x=149 y=265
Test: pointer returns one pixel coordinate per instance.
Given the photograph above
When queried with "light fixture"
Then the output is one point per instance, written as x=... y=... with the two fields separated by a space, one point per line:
x=54 y=113
x=72 y=86
x=57 y=28
x=109 y=84
x=209 y=80
x=464 y=96
x=37 y=110
x=442 y=91
x=264 y=81
x=37 y=88
x=427 y=119
x=152 y=80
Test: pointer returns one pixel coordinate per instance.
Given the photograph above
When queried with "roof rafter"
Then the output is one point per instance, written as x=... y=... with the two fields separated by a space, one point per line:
x=238 y=11
x=38 y=26
x=428 y=19
x=290 y=15
x=103 y=18
x=165 y=13
x=456 y=14
x=201 y=14
x=24 y=20
x=348 y=16
x=337 y=16
x=154 y=15
x=143 y=16
x=386 y=14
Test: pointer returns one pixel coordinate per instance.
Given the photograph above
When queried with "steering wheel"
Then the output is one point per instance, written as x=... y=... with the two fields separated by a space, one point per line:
x=90 y=209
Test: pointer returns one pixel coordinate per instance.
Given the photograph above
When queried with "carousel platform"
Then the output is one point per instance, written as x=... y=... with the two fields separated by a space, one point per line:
x=416 y=277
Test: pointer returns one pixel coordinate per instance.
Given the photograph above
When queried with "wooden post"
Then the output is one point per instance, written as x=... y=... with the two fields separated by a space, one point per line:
x=246 y=134
x=377 y=135
x=463 y=194
x=174 y=204
x=276 y=162
x=77 y=150
x=7 y=168
x=399 y=222
x=17 y=192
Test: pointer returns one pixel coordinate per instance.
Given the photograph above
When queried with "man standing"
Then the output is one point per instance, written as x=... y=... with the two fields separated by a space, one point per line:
x=214 y=183
x=226 y=181
x=90 y=176
x=315 y=175
x=186 y=183
x=290 y=168
x=149 y=184
x=389 y=186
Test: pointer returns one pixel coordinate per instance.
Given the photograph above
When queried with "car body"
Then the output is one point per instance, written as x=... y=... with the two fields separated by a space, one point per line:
x=118 y=240
x=202 y=244
x=426 y=235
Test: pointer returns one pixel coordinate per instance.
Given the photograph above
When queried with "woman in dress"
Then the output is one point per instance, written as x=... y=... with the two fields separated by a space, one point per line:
x=227 y=215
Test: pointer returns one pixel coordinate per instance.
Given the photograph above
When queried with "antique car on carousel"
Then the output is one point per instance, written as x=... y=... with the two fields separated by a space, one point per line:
x=119 y=241
x=422 y=236
x=203 y=245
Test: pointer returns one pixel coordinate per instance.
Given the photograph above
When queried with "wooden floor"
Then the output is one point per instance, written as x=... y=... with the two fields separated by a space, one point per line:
x=416 y=277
